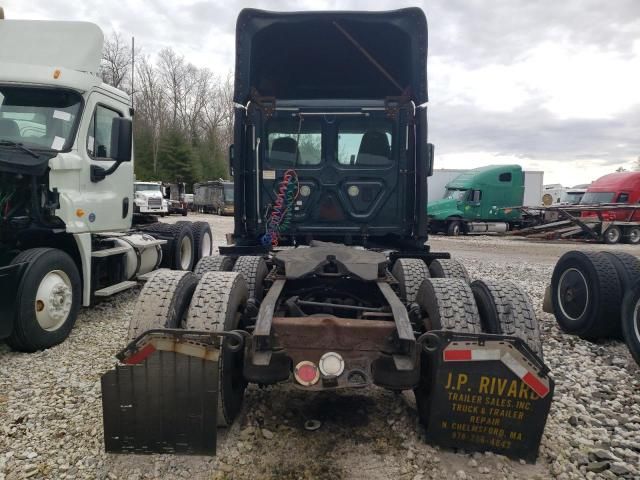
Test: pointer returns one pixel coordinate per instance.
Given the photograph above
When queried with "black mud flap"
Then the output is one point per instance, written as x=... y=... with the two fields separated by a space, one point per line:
x=484 y=393
x=165 y=398
x=9 y=280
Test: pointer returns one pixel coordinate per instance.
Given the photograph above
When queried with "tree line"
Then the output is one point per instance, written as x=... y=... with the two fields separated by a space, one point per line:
x=183 y=121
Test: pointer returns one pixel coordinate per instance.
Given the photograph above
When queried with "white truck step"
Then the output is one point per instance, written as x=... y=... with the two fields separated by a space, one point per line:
x=117 y=288
x=108 y=252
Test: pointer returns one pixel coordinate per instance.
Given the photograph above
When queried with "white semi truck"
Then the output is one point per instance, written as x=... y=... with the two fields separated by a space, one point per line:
x=66 y=186
x=149 y=198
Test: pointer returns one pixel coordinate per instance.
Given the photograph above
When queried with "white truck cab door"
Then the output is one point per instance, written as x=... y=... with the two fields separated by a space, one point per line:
x=109 y=202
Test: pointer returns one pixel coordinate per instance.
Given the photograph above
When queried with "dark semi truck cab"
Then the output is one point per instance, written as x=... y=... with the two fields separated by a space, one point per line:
x=338 y=100
x=331 y=157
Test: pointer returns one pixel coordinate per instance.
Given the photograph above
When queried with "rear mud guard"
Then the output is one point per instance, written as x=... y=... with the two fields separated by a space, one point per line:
x=164 y=399
x=10 y=277
x=484 y=392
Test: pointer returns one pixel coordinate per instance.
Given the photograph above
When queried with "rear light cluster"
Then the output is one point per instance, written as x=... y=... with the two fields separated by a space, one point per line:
x=307 y=373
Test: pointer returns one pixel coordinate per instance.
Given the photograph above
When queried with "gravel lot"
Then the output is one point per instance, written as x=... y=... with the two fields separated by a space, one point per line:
x=51 y=425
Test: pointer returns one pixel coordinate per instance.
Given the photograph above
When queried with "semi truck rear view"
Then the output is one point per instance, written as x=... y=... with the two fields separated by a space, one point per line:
x=327 y=282
x=66 y=186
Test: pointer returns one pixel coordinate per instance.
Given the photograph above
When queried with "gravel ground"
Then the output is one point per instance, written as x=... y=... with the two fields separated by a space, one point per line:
x=51 y=425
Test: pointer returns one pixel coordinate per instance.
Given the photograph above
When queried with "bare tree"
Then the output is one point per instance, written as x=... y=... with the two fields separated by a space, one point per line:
x=115 y=66
x=151 y=104
x=172 y=70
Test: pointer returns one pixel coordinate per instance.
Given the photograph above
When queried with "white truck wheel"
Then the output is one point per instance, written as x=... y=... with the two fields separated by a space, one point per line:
x=48 y=299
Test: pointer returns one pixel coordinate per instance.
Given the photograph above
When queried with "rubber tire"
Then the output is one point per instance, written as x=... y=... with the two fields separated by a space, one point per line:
x=216 y=305
x=506 y=309
x=627 y=236
x=254 y=270
x=214 y=263
x=605 y=236
x=631 y=331
x=628 y=269
x=27 y=335
x=627 y=266
x=448 y=268
x=174 y=233
x=454 y=228
x=200 y=229
x=449 y=305
x=601 y=317
x=163 y=302
x=410 y=273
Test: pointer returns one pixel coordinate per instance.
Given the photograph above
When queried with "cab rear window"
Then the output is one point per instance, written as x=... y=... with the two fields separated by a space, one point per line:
x=364 y=142
x=294 y=143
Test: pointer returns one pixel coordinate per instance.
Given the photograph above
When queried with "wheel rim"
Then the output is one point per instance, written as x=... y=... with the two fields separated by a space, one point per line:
x=613 y=235
x=573 y=294
x=456 y=230
x=185 y=253
x=206 y=245
x=634 y=235
x=54 y=300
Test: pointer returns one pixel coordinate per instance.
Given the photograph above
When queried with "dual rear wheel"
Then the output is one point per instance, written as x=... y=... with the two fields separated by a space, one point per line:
x=597 y=295
x=449 y=302
x=212 y=298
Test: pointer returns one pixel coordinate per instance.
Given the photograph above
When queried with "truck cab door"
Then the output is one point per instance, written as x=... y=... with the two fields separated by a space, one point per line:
x=107 y=203
x=474 y=205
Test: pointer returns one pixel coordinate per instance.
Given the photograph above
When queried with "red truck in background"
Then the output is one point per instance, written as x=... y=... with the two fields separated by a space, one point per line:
x=616 y=190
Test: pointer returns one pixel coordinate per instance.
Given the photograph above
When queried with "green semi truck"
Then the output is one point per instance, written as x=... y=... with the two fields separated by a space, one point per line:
x=481 y=200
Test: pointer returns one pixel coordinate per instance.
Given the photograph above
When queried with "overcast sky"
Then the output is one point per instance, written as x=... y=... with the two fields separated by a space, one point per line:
x=553 y=85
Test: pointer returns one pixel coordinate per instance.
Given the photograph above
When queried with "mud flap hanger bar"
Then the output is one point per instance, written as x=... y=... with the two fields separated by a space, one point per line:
x=513 y=352
x=194 y=343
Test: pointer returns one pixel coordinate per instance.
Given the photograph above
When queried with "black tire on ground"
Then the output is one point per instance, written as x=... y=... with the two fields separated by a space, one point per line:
x=445 y=304
x=612 y=235
x=628 y=269
x=202 y=240
x=448 y=268
x=631 y=320
x=627 y=266
x=38 y=322
x=506 y=309
x=454 y=228
x=214 y=263
x=163 y=302
x=632 y=235
x=449 y=305
x=410 y=273
x=254 y=270
x=185 y=212
x=216 y=306
x=586 y=294
x=179 y=252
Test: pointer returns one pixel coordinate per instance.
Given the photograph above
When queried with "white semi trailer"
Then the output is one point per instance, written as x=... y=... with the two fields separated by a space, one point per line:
x=66 y=186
